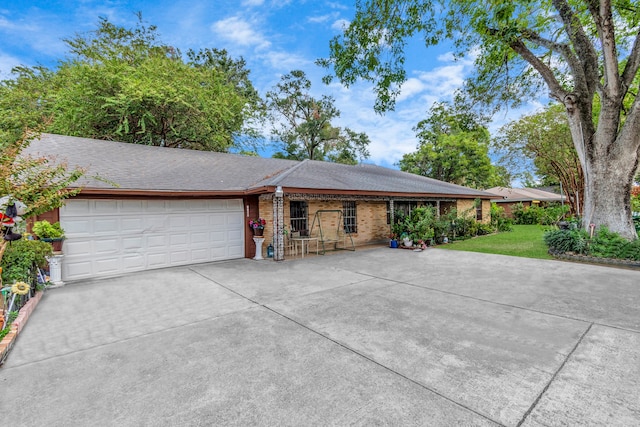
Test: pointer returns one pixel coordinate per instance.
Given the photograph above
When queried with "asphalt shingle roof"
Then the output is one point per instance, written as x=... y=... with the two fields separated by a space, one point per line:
x=146 y=168
x=523 y=194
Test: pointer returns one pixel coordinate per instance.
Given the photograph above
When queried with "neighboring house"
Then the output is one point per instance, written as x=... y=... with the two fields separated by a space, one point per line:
x=510 y=197
x=145 y=207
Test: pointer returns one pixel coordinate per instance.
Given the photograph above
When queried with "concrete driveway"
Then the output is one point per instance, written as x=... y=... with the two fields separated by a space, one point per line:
x=373 y=337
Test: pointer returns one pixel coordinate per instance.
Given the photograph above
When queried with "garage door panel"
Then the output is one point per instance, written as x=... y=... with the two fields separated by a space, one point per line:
x=106 y=246
x=199 y=238
x=132 y=206
x=236 y=251
x=132 y=243
x=179 y=240
x=200 y=255
x=234 y=204
x=104 y=225
x=132 y=225
x=108 y=265
x=156 y=224
x=76 y=247
x=157 y=260
x=134 y=263
x=235 y=219
x=104 y=207
x=110 y=237
x=79 y=269
x=180 y=257
x=77 y=227
x=157 y=241
x=234 y=235
x=198 y=221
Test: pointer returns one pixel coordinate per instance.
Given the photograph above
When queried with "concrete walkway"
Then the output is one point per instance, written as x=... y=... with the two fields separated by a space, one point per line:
x=375 y=337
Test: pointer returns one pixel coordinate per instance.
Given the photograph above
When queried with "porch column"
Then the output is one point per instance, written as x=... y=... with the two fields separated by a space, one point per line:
x=391 y=214
x=278 y=225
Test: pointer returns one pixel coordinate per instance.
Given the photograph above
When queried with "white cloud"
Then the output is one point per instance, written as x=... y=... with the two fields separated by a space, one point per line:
x=252 y=3
x=340 y=25
x=285 y=61
x=241 y=32
x=321 y=18
x=7 y=62
x=336 y=5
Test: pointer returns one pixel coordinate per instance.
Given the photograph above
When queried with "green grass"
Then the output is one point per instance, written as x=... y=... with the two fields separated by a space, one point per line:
x=524 y=241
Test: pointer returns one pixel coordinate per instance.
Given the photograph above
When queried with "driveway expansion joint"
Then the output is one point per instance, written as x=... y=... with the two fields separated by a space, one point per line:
x=552 y=379
x=375 y=362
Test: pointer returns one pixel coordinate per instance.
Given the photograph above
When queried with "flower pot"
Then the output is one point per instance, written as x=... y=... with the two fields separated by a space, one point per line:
x=407 y=242
x=393 y=243
x=258 y=231
x=57 y=243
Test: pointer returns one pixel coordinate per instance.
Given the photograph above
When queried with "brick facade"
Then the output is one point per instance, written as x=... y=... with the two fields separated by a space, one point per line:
x=371 y=217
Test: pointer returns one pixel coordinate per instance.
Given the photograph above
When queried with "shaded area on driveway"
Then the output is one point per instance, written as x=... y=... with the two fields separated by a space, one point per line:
x=375 y=337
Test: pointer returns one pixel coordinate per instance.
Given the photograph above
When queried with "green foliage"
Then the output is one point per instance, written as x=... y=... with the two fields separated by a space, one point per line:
x=423 y=224
x=583 y=55
x=123 y=84
x=561 y=241
x=543 y=138
x=22 y=257
x=453 y=148
x=604 y=244
x=534 y=214
x=499 y=220
x=39 y=182
x=45 y=230
x=302 y=124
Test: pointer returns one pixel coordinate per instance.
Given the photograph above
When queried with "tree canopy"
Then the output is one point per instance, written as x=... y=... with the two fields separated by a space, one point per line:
x=302 y=124
x=124 y=84
x=586 y=53
x=545 y=138
x=453 y=147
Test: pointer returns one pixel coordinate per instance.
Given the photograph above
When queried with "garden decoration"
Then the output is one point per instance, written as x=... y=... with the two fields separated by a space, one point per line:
x=257 y=226
x=10 y=211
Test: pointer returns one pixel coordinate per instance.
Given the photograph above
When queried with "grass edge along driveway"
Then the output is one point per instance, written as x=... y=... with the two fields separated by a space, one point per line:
x=523 y=241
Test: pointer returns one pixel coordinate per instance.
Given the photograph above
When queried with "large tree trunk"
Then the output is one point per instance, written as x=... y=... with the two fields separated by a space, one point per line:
x=608 y=197
x=609 y=162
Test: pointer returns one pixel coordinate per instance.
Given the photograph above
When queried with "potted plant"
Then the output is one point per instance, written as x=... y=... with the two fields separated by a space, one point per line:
x=257 y=226
x=47 y=232
x=407 y=241
x=393 y=242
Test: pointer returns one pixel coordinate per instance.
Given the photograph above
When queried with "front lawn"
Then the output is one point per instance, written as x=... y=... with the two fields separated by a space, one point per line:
x=524 y=241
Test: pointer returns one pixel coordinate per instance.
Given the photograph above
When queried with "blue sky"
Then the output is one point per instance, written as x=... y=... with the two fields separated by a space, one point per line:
x=273 y=36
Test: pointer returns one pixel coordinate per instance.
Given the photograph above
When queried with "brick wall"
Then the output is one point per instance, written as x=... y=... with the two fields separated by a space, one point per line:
x=371 y=219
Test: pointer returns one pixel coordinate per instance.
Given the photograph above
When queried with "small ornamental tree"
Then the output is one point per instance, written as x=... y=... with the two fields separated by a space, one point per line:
x=38 y=182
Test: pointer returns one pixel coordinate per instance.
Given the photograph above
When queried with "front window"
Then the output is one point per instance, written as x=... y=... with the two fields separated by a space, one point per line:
x=479 y=211
x=298 y=215
x=349 y=215
x=404 y=207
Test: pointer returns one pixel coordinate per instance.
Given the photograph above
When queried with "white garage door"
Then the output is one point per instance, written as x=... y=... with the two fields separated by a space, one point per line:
x=112 y=237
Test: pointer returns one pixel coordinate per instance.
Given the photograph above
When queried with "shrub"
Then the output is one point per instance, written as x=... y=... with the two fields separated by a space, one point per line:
x=499 y=220
x=606 y=244
x=532 y=215
x=21 y=259
x=561 y=241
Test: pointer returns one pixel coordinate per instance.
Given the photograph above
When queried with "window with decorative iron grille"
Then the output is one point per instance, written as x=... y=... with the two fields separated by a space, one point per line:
x=298 y=213
x=349 y=216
